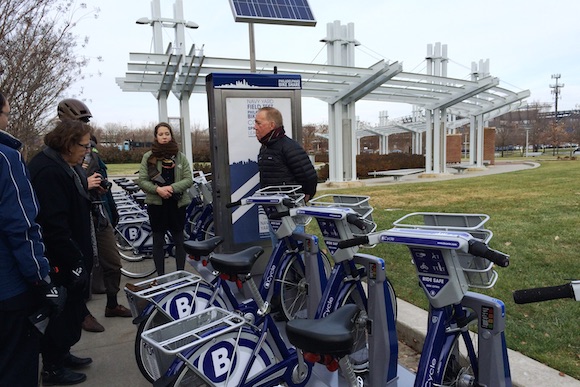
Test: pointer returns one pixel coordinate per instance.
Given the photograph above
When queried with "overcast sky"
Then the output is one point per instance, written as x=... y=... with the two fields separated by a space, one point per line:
x=526 y=42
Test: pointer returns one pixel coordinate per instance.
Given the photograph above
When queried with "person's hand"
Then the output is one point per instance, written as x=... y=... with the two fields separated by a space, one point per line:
x=51 y=296
x=94 y=181
x=79 y=277
x=165 y=192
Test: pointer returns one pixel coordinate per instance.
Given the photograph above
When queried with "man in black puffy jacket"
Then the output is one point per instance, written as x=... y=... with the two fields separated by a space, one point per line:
x=282 y=160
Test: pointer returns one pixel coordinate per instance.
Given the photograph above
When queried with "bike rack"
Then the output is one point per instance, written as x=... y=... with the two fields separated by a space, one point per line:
x=180 y=335
x=156 y=288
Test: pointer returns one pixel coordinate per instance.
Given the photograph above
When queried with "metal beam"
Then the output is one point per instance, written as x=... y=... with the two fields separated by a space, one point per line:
x=466 y=92
x=382 y=72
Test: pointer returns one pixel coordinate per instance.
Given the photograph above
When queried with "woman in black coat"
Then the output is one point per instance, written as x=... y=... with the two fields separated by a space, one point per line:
x=65 y=219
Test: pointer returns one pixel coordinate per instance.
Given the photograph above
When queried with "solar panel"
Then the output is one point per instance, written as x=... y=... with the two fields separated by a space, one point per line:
x=293 y=12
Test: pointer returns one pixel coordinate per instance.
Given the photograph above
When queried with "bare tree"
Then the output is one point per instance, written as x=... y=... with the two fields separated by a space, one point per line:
x=556 y=135
x=38 y=60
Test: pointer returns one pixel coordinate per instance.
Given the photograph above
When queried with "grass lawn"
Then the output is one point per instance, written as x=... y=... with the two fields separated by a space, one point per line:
x=535 y=217
x=122 y=169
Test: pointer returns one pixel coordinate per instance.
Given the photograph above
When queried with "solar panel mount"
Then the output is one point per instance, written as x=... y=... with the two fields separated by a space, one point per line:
x=290 y=12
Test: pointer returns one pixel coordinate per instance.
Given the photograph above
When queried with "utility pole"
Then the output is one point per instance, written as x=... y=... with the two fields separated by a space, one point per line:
x=556 y=91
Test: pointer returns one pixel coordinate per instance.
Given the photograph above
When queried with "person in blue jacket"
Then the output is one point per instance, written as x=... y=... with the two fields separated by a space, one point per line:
x=25 y=285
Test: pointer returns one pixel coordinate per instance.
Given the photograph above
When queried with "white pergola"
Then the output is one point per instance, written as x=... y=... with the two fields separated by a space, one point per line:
x=341 y=87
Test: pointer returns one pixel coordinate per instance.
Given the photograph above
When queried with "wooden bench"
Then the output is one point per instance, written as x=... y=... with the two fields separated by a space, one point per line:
x=397 y=174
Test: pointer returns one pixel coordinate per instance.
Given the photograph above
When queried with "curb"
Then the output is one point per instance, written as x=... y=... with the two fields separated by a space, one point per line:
x=526 y=372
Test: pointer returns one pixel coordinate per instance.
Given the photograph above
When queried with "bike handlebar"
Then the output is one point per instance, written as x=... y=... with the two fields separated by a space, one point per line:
x=480 y=249
x=286 y=202
x=234 y=204
x=356 y=220
x=356 y=241
x=526 y=296
x=475 y=247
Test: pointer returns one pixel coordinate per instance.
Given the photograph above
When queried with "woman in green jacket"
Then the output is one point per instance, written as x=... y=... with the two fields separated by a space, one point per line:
x=165 y=176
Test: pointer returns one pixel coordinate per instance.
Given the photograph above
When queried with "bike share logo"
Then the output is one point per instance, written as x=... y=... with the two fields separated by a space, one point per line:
x=180 y=305
x=270 y=277
x=218 y=361
x=430 y=372
x=226 y=360
x=132 y=234
x=328 y=308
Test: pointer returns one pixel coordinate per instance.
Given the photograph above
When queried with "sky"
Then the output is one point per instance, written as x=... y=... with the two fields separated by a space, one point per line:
x=526 y=42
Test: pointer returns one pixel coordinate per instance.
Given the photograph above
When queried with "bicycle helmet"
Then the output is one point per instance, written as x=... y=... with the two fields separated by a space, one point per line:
x=73 y=109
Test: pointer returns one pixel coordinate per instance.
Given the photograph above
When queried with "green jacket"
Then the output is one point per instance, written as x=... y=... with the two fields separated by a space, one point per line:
x=183 y=180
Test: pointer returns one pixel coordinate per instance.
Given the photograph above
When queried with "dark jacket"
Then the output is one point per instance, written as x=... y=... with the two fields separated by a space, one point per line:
x=22 y=260
x=282 y=161
x=96 y=164
x=64 y=211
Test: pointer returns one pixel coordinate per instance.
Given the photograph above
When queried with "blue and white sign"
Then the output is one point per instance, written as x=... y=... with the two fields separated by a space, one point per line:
x=257 y=81
x=233 y=102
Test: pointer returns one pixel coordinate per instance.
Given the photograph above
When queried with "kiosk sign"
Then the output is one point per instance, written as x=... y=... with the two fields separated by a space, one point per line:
x=234 y=100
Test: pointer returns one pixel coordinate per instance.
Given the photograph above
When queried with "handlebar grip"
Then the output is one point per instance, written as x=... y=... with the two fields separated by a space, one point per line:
x=288 y=203
x=361 y=240
x=278 y=215
x=526 y=296
x=357 y=221
x=480 y=249
x=234 y=204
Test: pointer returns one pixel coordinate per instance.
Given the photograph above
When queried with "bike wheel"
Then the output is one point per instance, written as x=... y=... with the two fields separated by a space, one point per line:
x=138 y=267
x=208 y=230
x=122 y=243
x=359 y=358
x=178 y=304
x=190 y=224
x=233 y=351
x=294 y=288
x=458 y=372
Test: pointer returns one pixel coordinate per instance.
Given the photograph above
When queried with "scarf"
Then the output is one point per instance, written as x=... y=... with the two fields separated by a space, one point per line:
x=274 y=134
x=74 y=172
x=160 y=152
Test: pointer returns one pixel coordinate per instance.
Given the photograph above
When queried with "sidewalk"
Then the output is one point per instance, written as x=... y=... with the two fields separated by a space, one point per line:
x=113 y=350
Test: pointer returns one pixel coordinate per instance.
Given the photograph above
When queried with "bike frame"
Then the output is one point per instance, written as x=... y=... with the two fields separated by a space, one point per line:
x=436 y=257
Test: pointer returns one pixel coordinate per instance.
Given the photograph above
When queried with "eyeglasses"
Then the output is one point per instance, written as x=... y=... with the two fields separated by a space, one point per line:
x=7 y=114
x=88 y=146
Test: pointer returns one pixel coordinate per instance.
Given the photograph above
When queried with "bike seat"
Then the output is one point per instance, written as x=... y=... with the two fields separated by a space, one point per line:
x=132 y=188
x=236 y=263
x=332 y=335
x=202 y=248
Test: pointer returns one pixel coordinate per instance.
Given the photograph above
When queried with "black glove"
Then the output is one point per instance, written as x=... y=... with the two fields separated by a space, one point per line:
x=52 y=297
x=79 y=278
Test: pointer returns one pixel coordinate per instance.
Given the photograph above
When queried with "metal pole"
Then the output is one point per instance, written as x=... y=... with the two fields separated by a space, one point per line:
x=252 y=48
x=527 y=146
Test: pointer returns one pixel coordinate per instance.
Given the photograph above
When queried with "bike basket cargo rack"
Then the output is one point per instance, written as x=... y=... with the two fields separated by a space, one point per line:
x=291 y=191
x=180 y=335
x=359 y=204
x=478 y=271
x=155 y=288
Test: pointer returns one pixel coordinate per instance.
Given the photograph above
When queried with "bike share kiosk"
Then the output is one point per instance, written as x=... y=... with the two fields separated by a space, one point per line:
x=233 y=102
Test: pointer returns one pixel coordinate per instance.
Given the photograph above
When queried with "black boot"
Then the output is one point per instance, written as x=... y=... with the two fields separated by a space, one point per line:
x=74 y=363
x=62 y=377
